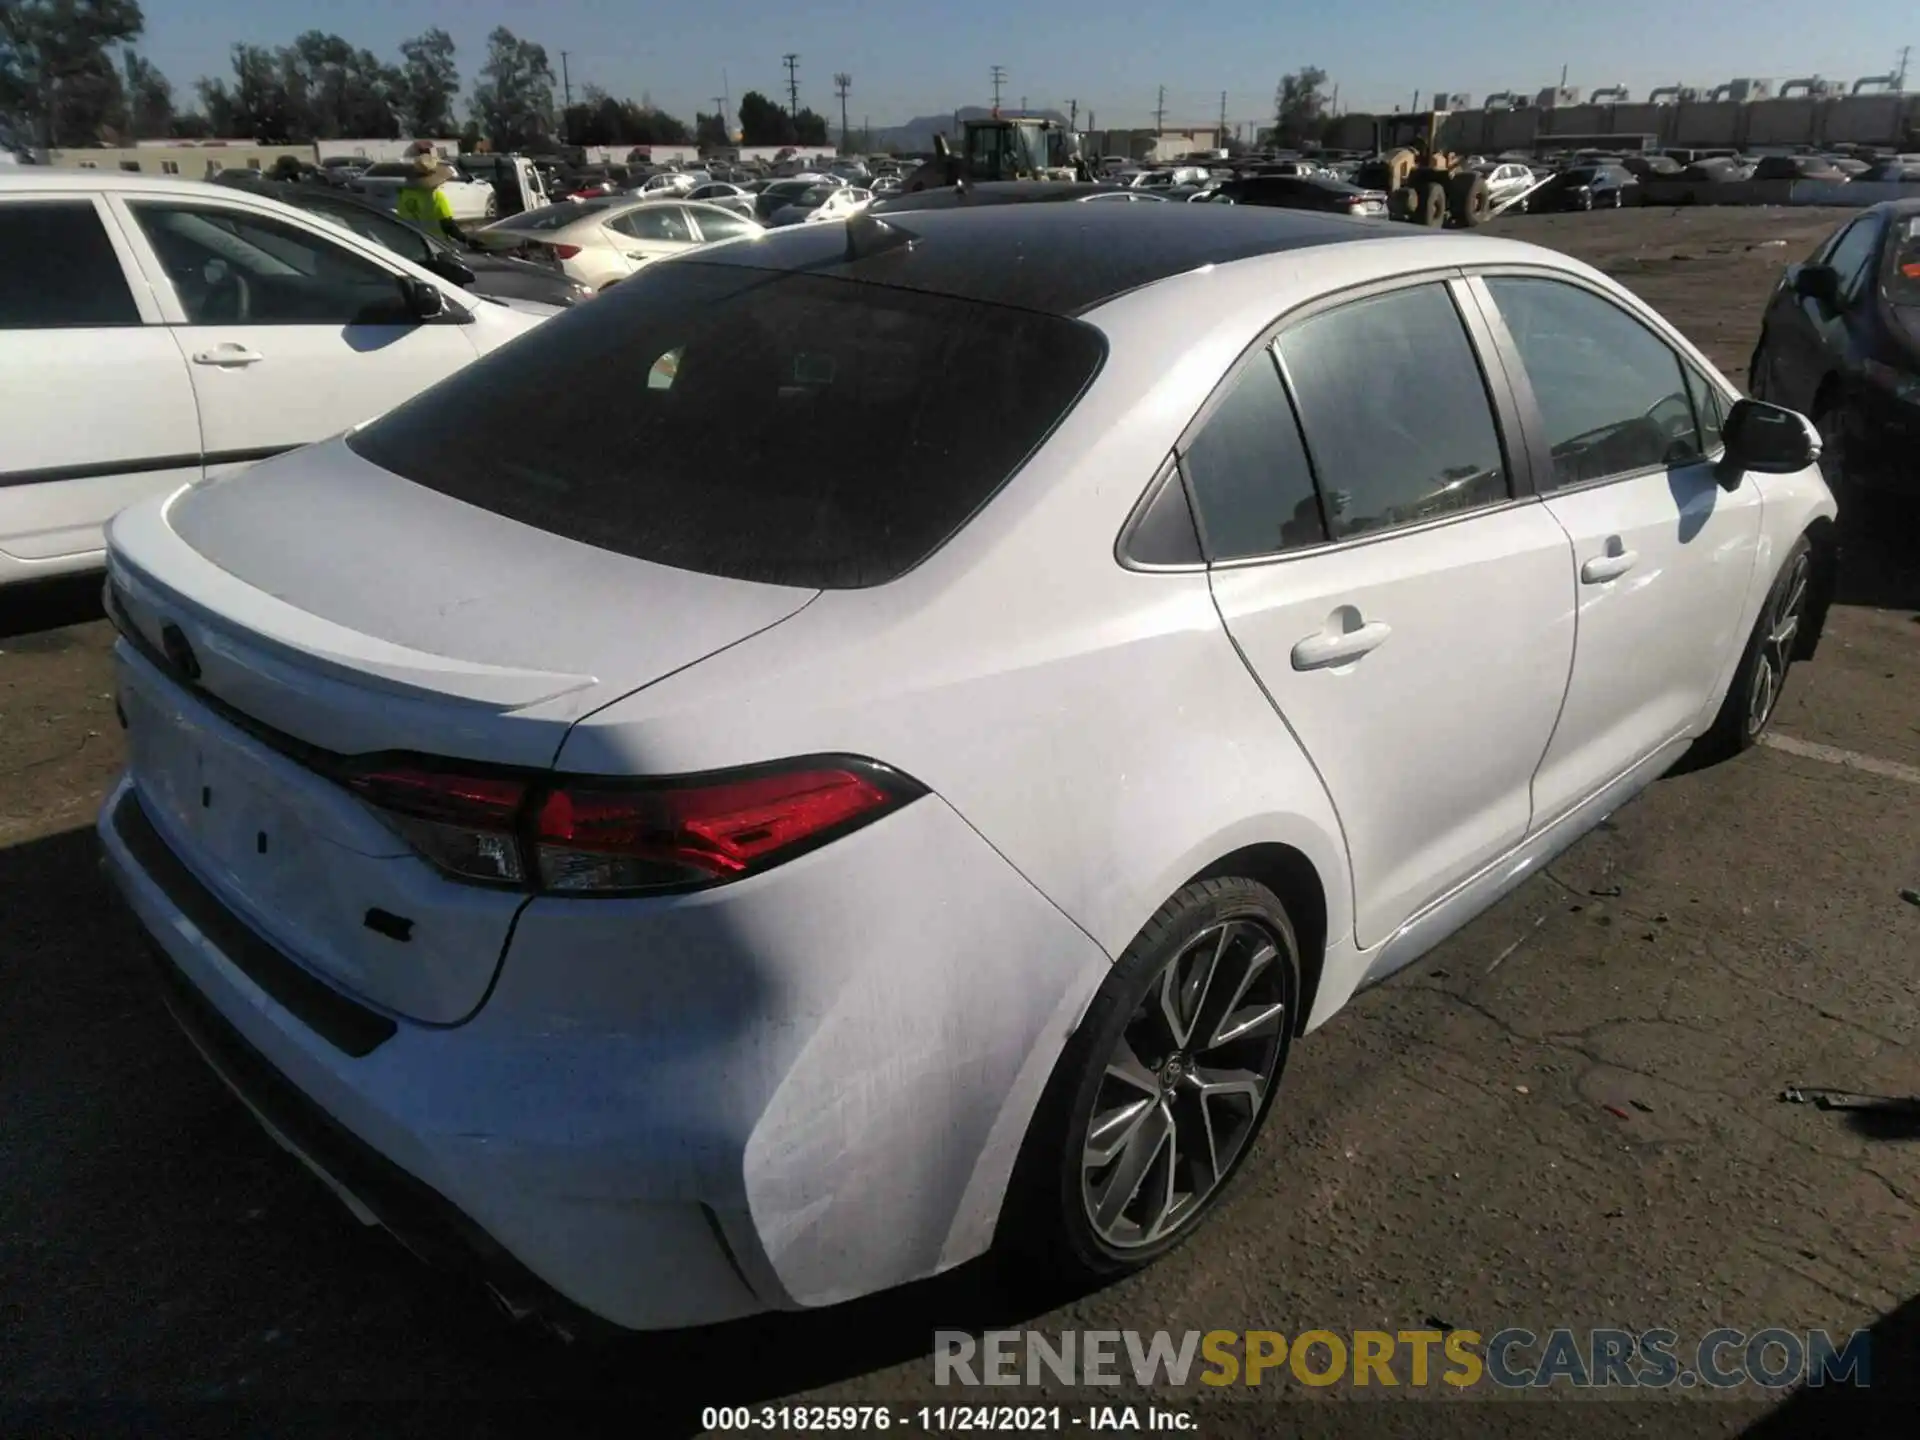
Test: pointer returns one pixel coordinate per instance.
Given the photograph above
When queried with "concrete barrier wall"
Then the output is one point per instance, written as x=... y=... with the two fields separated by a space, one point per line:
x=1858 y=119
x=1784 y=122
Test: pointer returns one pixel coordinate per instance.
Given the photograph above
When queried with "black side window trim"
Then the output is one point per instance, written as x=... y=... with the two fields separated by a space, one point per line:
x=1522 y=385
x=1503 y=397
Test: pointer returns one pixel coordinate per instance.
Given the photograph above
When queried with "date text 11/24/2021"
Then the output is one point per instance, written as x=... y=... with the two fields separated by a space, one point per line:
x=944 y=1419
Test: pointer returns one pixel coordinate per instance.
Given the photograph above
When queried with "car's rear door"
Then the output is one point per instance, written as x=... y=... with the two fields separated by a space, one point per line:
x=291 y=334
x=652 y=232
x=1409 y=615
x=96 y=410
x=1663 y=556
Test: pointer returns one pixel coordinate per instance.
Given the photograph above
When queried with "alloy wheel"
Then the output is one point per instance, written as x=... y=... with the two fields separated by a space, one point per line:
x=1186 y=1084
x=1776 y=643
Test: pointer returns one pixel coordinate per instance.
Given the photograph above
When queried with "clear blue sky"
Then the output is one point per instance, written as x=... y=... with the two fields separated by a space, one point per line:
x=913 y=57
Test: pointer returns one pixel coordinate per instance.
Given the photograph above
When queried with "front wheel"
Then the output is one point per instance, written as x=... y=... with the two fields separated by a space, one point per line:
x=1162 y=1089
x=1757 y=685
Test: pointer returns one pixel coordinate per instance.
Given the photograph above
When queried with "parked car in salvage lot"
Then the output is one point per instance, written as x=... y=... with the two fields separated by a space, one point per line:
x=601 y=241
x=1841 y=342
x=689 y=970
x=155 y=332
x=471 y=199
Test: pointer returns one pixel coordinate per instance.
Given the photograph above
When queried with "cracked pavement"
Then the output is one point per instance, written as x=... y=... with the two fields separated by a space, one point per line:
x=1570 y=1114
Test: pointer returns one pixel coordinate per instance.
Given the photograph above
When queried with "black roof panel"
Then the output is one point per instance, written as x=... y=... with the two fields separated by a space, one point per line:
x=1062 y=259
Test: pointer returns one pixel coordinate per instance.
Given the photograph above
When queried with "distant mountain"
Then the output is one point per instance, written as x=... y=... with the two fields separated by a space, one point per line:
x=917 y=134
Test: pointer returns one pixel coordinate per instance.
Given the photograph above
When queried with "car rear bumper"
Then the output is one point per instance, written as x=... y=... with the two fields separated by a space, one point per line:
x=670 y=1112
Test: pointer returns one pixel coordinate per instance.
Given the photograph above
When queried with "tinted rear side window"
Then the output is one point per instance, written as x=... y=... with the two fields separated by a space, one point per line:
x=58 y=269
x=714 y=405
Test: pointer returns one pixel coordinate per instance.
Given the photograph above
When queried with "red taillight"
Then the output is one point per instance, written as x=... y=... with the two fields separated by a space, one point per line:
x=566 y=252
x=464 y=824
x=628 y=840
x=581 y=838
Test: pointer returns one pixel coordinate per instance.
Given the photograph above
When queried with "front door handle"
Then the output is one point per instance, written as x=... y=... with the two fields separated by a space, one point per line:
x=228 y=356
x=1330 y=647
x=1603 y=568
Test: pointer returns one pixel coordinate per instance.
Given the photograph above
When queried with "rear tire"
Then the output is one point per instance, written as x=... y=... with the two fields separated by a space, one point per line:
x=1433 y=205
x=1467 y=199
x=1754 y=696
x=1132 y=1099
x=1403 y=203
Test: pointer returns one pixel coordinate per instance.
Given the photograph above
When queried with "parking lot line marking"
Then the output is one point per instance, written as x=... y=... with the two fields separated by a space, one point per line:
x=1852 y=760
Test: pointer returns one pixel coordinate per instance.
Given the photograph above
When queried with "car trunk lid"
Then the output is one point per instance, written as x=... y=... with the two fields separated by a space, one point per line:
x=317 y=611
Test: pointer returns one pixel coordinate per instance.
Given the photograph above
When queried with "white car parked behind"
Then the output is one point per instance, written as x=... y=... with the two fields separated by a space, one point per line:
x=154 y=332
x=600 y=241
x=471 y=199
x=700 y=873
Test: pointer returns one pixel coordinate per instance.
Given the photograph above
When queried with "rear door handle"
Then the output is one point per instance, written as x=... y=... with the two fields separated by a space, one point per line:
x=1320 y=652
x=1603 y=568
x=228 y=356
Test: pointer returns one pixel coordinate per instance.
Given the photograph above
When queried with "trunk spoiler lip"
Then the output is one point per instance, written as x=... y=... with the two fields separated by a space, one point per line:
x=142 y=547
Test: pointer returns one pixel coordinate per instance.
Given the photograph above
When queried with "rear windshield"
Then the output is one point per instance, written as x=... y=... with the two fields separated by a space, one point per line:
x=720 y=418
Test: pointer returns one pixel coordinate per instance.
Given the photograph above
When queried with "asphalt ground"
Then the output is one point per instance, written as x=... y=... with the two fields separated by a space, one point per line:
x=1569 y=1115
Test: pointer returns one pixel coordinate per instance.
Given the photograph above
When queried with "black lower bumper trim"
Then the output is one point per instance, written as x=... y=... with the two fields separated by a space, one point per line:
x=419 y=1216
x=341 y=1022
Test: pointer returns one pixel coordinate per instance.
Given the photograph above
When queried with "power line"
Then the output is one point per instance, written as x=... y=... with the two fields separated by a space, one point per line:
x=999 y=79
x=792 y=62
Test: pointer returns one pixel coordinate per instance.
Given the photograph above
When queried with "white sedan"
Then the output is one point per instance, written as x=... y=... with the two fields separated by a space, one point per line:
x=701 y=874
x=472 y=200
x=601 y=241
x=156 y=332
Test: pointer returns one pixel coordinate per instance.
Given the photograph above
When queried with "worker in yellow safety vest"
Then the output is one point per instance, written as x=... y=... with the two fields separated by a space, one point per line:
x=424 y=203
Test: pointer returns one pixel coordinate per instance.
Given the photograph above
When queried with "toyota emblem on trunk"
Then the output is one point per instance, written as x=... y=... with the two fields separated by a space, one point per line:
x=179 y=653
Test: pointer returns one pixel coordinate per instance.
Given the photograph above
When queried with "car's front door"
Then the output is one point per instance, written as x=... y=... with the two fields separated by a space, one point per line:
x=96 y=410
x=290 y=335
x=1663 y=556
x=1807 y=338
x=1410 y=615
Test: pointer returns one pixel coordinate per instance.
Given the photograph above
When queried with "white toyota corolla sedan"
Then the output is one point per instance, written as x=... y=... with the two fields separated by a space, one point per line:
x=693 y=873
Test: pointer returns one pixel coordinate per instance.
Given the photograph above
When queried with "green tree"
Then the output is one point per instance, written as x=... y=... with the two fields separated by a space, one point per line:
x=710 y=132
x=429 y=82
x=762 y=122
x=148 y=98
x=809 y=128
x=1300 y=106
x=57 y=81
x=343 y=91
x=513 y=103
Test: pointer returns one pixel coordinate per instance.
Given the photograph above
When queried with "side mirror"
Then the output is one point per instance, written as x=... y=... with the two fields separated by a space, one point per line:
x=1766 y=439
x=451 y=267
x=1817 y=282
x=424 y=301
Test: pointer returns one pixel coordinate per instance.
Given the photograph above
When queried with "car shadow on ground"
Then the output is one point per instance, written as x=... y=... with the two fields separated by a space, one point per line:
x=31 y=609
x=169 y=1192
x=1887 y=1405
x=1879 y=554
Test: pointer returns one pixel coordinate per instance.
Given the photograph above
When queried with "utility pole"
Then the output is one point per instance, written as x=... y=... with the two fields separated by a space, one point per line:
x=842 y=83
x=1900 y=75
x=1563 y=77
x=999 y=79
x=1160 y=113
x=566 y=81
x=792 y=62
x=726 y=104
x=721 y=114
x=1073 y=115
x=1222 y=131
